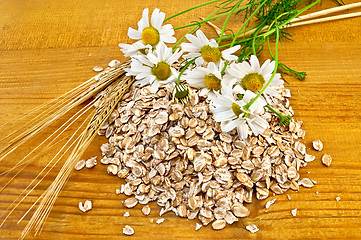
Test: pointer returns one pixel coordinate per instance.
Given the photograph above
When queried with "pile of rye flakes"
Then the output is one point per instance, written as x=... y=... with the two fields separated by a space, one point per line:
x=176 y=155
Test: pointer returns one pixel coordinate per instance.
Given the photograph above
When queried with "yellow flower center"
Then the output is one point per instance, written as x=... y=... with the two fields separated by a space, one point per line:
x=253 y=82
x=151 y=36
x=162 y=71
x=212 y=82
x=210 y=54
x=238 y=110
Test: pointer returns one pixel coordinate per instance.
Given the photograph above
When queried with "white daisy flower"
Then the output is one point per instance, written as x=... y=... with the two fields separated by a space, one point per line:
x=253 y=77
x=207 y=79
x=155 y=68
x=149 y=35
x=155 y=33
x=231 y=114
x=206 y=50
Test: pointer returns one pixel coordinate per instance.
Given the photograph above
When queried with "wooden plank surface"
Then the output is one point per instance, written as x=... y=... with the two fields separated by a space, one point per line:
x=48 y=47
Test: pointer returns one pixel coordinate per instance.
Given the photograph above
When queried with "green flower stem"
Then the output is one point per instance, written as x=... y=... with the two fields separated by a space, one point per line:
x=224 y=68
x=192 y=8
x=218 y=16
x=286 y=70
x=273 y=110
x=248 y=105
x=254 y=41
x=246 y=22
x=209 y=17
x=205 y=20
x=269 y=47
x=184 y=68
x=229 y=38
x=238 y=42
x=284 y=120
x=226 y=21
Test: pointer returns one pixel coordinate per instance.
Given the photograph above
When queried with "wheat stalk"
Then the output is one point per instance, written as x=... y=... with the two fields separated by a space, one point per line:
x=112 y=96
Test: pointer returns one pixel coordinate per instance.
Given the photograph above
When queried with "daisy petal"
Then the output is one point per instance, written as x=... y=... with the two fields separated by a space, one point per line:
x=168 y=39
x=157 y=18
x=134 y=34
x=194 y=41
x=243 y=131
x=204 y=40
x=267 y=67
x=144 y=22
x=199 y=61
x=213 y=43
x=154 y=87
x=254 y=63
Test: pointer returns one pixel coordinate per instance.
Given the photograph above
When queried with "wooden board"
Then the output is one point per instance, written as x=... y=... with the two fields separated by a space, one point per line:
x=48 y=47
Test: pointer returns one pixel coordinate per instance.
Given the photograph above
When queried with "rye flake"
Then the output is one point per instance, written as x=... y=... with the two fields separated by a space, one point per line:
x=177 y=156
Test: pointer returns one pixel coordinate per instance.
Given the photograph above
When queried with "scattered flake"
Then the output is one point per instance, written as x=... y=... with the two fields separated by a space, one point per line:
x=326 y=160
x=128 y=230
x=112 y=169
x=113 y=63
x=219 y=224
x=317 y=192
x=338 y=199
x=309 y=158
x=88 y=205
x=294 y=212
x=130 y=202
x=306 y=182
x=151 y=220
x=198 y=226
x=239 y=210
x=118 y=191
x=91 y=162
x=146 y=210
x=126 y=214
x=79 y=165
x=317 y=145
x=97 y=69
x=300 y=147
x=252 y=228
x=289 y=197
x=160 y=220
x=269 y=203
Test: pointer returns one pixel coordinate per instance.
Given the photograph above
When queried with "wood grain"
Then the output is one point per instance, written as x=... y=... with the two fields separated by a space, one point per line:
x=48 y=47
